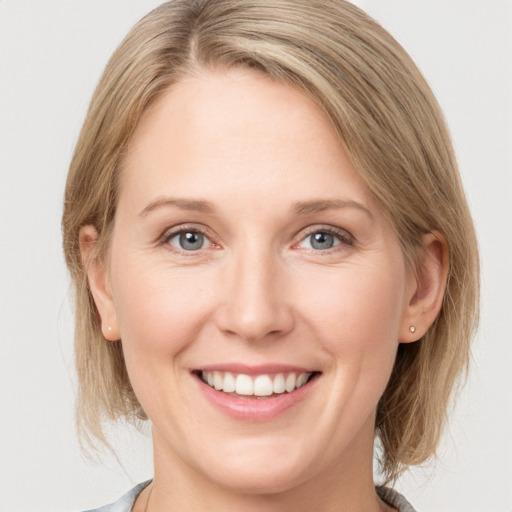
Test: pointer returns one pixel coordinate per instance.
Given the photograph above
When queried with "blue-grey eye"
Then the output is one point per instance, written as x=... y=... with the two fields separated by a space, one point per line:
x=188 y=240
x=320 y=241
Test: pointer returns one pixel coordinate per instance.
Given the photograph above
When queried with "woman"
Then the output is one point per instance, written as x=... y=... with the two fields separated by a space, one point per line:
x=273 y=256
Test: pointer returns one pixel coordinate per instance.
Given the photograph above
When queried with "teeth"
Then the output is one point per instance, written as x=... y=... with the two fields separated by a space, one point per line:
x=290 y=382
x=217 y=381
x=261 y=385
x=279 y=384
x=229 y=383
x=243 y=385
x=301 y=380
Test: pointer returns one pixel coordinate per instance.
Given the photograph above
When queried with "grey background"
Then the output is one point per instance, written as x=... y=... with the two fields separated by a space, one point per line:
x=52 y=53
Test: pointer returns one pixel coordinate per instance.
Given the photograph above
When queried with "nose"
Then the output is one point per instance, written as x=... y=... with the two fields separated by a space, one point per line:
x=255 y=303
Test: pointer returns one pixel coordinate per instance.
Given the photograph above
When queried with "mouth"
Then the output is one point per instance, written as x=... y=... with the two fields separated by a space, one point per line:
x=258 y=393
x=258 y=386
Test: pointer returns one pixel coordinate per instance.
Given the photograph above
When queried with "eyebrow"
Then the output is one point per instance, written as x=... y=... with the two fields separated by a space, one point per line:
x=299 y=207
x=320 y=205
x=183 y=203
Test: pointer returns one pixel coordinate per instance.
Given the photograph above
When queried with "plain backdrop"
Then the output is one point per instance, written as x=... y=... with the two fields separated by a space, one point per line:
x=52 y=53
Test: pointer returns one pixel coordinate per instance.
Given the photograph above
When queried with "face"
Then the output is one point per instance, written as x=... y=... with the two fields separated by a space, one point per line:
x=259 y=292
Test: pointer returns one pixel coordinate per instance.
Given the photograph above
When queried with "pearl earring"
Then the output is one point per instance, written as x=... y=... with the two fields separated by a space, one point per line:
x=412 y=329
x=109 y=328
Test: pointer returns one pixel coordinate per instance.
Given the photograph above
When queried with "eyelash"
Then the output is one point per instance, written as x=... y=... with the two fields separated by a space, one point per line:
x=343 y=236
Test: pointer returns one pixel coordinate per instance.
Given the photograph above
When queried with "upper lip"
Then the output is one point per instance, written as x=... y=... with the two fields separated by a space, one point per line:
x=254 y=369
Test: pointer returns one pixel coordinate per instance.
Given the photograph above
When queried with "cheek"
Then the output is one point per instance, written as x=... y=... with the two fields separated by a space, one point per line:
x=358 y=311
x=356 y=318
x=160 y=314
x=159 y=311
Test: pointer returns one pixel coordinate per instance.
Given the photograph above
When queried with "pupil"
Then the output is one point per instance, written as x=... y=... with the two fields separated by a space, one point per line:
x=322 y=241
x=191 y=241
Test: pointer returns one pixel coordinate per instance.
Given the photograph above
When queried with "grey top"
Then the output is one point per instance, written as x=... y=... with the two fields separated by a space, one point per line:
x=395 y=499
x=125 y=503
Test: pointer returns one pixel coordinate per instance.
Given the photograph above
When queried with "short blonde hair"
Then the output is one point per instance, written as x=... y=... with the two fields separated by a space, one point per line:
x=391 y=128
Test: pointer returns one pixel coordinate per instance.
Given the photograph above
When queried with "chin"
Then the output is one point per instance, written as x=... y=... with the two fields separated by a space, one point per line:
x=268 y=480
x=259 y=469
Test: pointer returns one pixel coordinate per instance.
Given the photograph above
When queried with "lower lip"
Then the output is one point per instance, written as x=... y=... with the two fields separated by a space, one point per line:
x=255 y=409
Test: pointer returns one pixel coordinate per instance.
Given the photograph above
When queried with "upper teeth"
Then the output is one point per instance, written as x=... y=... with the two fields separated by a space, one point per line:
x=260 y=385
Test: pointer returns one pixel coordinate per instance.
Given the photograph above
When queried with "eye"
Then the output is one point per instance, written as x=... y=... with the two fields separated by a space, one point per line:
x=324 y=239
x=320 y=241
x=188 y=240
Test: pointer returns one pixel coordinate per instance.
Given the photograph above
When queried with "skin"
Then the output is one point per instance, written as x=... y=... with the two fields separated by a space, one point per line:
x=256 y=292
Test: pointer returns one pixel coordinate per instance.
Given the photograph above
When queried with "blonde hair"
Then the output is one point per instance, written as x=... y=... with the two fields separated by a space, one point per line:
x=391 y=128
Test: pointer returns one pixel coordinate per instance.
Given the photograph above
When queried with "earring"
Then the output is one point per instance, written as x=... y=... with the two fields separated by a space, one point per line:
x=412 y=329
x=109 y=328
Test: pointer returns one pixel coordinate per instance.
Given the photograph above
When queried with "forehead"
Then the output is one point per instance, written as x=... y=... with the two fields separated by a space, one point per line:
x=237 y=132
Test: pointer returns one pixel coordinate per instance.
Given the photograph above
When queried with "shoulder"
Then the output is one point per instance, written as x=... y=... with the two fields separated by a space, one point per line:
x=395 y=499
x=125 y=502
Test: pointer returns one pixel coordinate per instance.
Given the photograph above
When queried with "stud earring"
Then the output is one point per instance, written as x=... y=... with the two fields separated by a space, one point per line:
x=412 y=329
x=109 y=328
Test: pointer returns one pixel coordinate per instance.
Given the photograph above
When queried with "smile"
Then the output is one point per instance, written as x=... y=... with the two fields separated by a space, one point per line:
x=255 y=394
x=263 y=385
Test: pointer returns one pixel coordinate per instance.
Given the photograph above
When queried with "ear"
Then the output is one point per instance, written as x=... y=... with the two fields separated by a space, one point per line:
x=98 y=282
x=427 y=288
